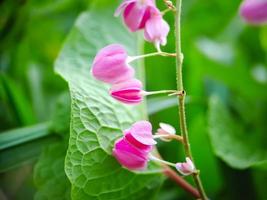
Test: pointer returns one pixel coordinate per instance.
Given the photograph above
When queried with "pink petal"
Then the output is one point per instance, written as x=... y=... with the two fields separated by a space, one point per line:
x=133 y=15
x=142 y=132
x=123 y=5
x=133 y=83
x=127 y=92
x=136 y=143
x=110 y=65
x=254 y=11
x=156 y=30
x=146 y=16
x=129 y=156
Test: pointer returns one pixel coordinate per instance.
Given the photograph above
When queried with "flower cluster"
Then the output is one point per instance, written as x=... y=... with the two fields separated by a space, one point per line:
x=143 y=14
x=112 y=63
x=112 y=66
x=133 y=149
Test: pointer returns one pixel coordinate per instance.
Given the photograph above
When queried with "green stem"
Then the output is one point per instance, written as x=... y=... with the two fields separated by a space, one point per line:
x=165 y=11
x=169 y=136
x=155 y=159
x=159 y=53
x=159 y=92
x=181 y=98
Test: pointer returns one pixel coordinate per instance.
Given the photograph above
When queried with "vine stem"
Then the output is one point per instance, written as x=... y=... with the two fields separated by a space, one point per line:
x=181 y=98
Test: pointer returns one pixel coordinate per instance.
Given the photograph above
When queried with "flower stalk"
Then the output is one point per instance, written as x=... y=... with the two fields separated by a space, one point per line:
x=170 y=137
x=170 y=92
x=181 y=98
x=158 y=53
x=158 y=160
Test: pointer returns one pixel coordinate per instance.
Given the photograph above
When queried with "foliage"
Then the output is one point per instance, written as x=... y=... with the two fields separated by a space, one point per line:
x=225 y=78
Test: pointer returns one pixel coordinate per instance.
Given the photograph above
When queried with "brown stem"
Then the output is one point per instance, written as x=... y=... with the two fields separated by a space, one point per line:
x=180 y=181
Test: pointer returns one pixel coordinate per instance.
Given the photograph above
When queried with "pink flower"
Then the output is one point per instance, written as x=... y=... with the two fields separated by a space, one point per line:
x=157 y=30
x=129 y=92
x=110 y=65
x=129 y=156
x=186 y=168
x=254 y=11
x=136 y=13
x=133 y=148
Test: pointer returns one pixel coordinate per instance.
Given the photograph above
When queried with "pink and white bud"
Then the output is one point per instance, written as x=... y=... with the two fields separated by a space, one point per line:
x=110 y=65
x=129 y=92
x=157 y=30
x=186 y=168
x=254 y=11
x=132 y=150
x=136 y=13
x=165 y=129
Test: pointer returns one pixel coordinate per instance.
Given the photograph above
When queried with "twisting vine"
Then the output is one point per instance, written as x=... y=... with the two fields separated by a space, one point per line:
x=181 y=98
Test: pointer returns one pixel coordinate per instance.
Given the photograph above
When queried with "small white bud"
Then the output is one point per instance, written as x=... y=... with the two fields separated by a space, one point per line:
x=186 y=168
x=165 y=129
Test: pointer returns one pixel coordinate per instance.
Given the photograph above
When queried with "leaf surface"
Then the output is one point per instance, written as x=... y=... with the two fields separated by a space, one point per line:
x=238 y=147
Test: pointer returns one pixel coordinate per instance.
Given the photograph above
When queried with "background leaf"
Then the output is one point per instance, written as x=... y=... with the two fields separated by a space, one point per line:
x=21 y=135
x=238 y=147
x=50 y=179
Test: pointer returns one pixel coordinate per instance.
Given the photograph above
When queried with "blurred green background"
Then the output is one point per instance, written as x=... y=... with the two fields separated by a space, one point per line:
x=225 y=74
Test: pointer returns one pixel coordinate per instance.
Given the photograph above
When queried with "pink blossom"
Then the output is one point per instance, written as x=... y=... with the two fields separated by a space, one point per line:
x=110 y=65
x=254 y=11
x=186 y=168
x=129 y=156
x=136 y=13
x=133 y=148
x=156 y=30
x=129 y=92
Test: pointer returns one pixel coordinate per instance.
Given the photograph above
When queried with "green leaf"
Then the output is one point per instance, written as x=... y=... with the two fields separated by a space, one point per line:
x=61 y=115
x=97 y=120
x=20 y=106
x=22 y=154
x=21 y=135
x=49 y=176
x=259 y=179
x=238 y=147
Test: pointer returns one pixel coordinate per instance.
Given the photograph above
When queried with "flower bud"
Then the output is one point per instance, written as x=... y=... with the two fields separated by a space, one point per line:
x=136 y=13
x=156 y=30
x=254 y=11
x=186 y=168
x=133 y=148
x=165 y=129
x=110 y=65
x=129 y=92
